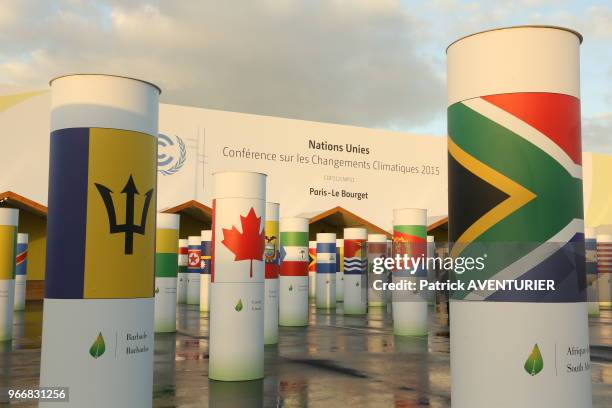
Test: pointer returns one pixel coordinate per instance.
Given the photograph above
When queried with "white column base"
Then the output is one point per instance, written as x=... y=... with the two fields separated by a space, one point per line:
x=181 y=288
x=271 y=311
x=312 y=284
x=204 y=292
x=293 y=301
x=193 y=289
x=7 y=304
x=355 y=294
x=326 y=291
x=20 y=291
x=165 y=305
x=339 y=286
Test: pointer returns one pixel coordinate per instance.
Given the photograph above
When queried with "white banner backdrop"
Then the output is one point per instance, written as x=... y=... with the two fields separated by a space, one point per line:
x=311 y=166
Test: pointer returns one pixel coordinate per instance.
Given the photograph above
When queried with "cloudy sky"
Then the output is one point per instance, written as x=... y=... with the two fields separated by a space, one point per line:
x=374 y=63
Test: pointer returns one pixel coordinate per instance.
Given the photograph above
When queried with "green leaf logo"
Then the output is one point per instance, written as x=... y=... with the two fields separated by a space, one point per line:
x=290 y=288
x=98 y=347
x=356 y=283
x=238 y=306
x=156 y=290
x=534 y=363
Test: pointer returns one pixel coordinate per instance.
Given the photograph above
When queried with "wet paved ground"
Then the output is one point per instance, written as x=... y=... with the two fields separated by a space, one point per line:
x=337 y=361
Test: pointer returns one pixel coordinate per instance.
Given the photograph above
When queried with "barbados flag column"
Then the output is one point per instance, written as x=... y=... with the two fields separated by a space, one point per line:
x=515 y=196
x=97 y=336
x=236 y=347
x=293 y=280
x=355 y=271
x=166 y=270
x=205 y=267
x=409 y=239
x=21 y=267
x=272 y=269
x=326 y=271
x=181 y=286
x=8 y=247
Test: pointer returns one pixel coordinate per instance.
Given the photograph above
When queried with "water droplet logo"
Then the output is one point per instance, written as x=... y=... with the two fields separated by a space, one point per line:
x=534 y=363
x=98 y=347
x=290 y=288
x=238 y=306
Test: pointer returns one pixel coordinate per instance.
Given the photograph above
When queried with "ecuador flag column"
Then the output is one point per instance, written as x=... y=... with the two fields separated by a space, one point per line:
x=271 y=273
x=21 y=267
x=97 y=336
x=236 y=347
x=293 y=280
x=166 y=270
x=8 y=248
x=515 y=199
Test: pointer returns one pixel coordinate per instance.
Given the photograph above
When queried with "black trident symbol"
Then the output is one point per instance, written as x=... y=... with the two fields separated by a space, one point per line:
x=129 y=228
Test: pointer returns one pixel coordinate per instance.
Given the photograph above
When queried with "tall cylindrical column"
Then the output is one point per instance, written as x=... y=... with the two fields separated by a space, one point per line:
x=237 y=297
x=166 y=270
x=430 y=266
x=409 y=239
x=293 y=281
x=604 y=270
x=194 y=268
x=21 y=267
x=312 y=269
x=326 y=271
x=181 y=284
x=590 y=255
x=205 y=267
x=355 y=271
x=98 y=306
x=515 y=194
x=339 y=270
x=8 y=247
x=376 y=248
x=272 y=267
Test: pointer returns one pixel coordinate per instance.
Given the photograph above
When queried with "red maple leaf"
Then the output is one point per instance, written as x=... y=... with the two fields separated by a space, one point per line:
x=250 y=243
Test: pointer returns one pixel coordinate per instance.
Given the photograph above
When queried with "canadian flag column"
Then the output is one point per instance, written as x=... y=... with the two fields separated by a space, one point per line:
x=236 y=348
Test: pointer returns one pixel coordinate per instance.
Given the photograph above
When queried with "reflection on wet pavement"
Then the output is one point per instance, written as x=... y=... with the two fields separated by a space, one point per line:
x=336 y=361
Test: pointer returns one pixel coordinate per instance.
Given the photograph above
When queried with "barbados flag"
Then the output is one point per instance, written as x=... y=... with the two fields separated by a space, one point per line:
x=101 y=219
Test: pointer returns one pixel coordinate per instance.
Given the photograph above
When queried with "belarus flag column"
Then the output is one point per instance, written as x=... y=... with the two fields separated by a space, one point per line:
x=97 y=336
x=515 y=194
x=236 y=347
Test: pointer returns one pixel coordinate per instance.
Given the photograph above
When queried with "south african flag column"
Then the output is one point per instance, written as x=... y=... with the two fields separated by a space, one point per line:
x=97 y=336
x=293 y=281
x=166 y=269
x=515 y=194
x=194 y=268
x=355 y=271
x=236 y=347
x=272 y=255
x=409 y=239
x=205 y=267
x=21 y=267
x=326 y=271
x=8 y=247
x=181 y=286
x=312 y=269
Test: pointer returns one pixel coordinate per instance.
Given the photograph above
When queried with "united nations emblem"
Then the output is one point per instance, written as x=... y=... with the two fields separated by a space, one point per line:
x=171 y=156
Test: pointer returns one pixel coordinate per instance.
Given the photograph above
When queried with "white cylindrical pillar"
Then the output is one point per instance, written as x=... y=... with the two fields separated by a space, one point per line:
x=205 y=267
x=181 y=285
x=515 y=193
x=355 y=271
x=8 y=247
x=99 y=279
x=272 y=269
x=431 y=272
x=194 y=268
x=312 y=269
x=604 y=270
x=237 y=297
x=166 y=270
x=21 y=268
x=293 y=280
x=326 y=271
x=376 y=248
x=409 y=239
x=339 y=270
x=590 y=255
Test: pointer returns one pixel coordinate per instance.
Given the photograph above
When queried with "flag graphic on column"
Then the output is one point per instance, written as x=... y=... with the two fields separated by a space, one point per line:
x=355 y=260
x=543 y=129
